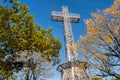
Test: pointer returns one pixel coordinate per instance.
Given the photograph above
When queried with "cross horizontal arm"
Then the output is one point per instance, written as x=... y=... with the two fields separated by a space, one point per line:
x=74 y=18
x=72 y=15
x=59 y=16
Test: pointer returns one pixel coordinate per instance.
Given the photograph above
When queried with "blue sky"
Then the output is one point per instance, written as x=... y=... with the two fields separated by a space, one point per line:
x=41 y=9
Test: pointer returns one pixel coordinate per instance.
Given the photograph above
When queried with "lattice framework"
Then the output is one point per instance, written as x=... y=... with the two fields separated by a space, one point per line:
x=67 y=18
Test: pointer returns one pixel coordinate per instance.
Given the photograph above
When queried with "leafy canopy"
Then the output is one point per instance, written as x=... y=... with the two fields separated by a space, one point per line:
x=19 y=34
x=101 y=44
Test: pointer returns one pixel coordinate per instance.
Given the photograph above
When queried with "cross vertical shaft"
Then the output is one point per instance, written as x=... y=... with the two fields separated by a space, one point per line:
x=67 y=32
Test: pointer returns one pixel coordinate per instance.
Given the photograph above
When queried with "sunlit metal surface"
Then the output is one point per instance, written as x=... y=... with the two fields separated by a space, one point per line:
x=67 y=18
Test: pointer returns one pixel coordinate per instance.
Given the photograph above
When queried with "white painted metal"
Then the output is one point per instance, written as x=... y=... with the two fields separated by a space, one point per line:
x=67 y=18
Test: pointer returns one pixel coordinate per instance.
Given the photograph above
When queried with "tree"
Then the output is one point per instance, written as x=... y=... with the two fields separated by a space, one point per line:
x=101 y=44
x=23 y=44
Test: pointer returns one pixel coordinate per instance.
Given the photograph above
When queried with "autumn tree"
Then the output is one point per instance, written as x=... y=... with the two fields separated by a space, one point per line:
x=101 y=45
x=24 y=46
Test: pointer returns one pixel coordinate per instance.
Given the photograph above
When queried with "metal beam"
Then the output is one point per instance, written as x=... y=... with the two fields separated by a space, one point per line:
x=67 y=18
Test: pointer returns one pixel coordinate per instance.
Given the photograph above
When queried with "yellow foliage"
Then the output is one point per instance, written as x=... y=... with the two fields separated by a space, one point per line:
x=102 y=38
x=116 y=4
x=114 y=9
x=73 y=47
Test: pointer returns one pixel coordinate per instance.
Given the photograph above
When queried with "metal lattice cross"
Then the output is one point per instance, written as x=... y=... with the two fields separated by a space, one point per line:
x=67 y=18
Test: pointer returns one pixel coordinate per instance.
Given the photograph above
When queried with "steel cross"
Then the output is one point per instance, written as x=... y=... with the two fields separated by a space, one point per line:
x=67 y=18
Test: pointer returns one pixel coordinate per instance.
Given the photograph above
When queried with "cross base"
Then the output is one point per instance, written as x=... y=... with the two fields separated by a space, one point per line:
x=73 y=70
